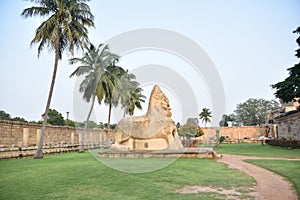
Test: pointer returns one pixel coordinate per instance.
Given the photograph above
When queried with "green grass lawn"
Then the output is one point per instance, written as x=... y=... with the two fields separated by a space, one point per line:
x=80 y=176
x=256 y=149
x=287 y=169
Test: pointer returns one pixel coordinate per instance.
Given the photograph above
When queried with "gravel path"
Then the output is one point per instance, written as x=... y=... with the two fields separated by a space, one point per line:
x=270 y=186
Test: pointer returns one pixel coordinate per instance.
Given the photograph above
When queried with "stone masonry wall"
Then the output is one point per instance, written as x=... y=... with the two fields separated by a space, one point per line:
x=289 y=126
x=235 y=132
x=17 y=134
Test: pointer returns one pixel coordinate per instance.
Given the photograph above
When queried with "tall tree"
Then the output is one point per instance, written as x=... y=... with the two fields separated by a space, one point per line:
x=94 y=66
x=254 y=111
x=205 y=115
x=289 y=89
x=129 y=93
x=111 y=99
x=65 y=29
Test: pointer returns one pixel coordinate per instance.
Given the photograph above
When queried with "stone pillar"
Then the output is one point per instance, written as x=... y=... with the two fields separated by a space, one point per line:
x=99 y=141
x=102 y=137
x=38 y=136
x=80 y=136
x=25 y=137
x=72 y=138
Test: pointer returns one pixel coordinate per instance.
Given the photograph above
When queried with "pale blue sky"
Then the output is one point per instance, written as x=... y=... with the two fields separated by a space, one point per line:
x=250 y=42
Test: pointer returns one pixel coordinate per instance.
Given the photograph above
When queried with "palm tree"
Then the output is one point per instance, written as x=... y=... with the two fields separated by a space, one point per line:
x=65 y=29
x=205 y=115
x=111 y=94
x=94 y=64
x=136 y=97
x=129 y=93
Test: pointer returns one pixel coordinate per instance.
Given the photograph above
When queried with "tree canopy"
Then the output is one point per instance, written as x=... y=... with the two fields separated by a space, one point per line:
x=289 y=89
x=225 y=119
x=253 y=111
x=4 y=115
x=55 y=118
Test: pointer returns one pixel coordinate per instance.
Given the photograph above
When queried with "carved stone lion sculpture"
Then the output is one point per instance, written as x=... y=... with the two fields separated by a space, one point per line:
x=153 y=131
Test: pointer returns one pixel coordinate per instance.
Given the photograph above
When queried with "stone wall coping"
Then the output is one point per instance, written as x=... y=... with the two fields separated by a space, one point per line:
x=293 y=112
x=48 y=126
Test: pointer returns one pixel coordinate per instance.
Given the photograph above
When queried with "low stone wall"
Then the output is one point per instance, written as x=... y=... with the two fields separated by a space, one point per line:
x=235 y=132
x=17 y=134
x=20 y=139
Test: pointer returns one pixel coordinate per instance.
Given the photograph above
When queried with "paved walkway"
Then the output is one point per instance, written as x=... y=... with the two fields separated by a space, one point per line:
x=270 y=186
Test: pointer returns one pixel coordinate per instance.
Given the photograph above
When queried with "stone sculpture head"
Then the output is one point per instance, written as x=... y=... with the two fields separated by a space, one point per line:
x=159 y=103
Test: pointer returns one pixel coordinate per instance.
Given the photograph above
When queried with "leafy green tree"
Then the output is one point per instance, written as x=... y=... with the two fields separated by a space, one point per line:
x=69 y=122
x=113 y=126
x=193 y=121
x=225 y=119
x=92 y=124
x=101 y=125
x=205 y=115
x=289 y=89
x=19 y=119
x=65 y=29
x=188 y=130
x=94 y=65
x=4 y=115
x=55 y=118
x=254 y=111
x=79 y=124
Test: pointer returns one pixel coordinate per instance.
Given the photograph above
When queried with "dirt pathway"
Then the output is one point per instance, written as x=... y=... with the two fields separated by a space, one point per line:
x=269 y=185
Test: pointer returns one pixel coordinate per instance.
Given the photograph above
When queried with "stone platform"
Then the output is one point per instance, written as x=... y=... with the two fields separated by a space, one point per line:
x=201 y=152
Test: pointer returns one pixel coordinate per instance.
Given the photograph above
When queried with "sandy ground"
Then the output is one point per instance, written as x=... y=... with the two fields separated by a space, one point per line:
x=270 y=186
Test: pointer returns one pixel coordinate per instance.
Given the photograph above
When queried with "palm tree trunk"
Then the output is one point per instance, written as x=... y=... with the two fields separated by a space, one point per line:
x=86 y=125
x=109 y=114
x=108 y=124
x=39 y=151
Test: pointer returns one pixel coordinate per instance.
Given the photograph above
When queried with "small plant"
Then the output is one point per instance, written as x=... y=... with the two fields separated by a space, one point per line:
x=222 y=139
x=199 y=132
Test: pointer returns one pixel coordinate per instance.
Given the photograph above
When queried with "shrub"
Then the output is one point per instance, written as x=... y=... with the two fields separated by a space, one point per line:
x=285 y=143
x=199 y=132
x=222 y=139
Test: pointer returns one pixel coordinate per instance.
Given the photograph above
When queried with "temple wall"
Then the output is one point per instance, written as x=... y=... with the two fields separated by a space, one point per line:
x=18 y=134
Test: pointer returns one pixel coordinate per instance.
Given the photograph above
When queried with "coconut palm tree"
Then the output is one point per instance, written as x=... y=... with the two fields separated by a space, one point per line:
x=205 y=115
x=129 y=93
x=65 y=29
x=94 y=64
x=136 y=97
x=111 y=95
